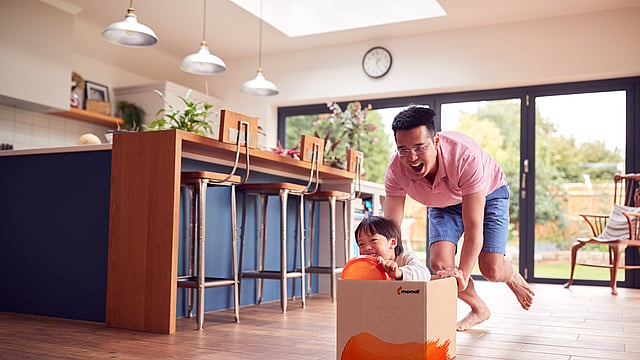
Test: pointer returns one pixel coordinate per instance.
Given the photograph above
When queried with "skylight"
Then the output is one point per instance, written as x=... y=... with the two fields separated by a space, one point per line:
x=301 y=18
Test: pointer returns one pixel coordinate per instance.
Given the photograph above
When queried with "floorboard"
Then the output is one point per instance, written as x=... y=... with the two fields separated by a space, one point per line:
x=580 y=323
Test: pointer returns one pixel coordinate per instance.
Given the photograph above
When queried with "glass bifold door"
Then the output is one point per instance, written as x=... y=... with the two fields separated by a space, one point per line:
x=559 y=146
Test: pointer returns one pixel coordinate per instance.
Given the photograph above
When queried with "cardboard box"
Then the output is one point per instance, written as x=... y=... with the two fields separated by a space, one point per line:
x=229 y=128
x=378 y=319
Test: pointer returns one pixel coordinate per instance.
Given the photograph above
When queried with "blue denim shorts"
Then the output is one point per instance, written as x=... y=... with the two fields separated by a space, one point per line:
x=445 y=224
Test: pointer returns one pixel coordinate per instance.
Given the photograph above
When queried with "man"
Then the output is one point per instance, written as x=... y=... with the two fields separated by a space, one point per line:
x=466 y=192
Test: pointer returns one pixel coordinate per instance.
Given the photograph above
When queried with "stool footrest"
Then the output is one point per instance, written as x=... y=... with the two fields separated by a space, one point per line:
x=270 y=274
x=322 y=270
x=192 y=282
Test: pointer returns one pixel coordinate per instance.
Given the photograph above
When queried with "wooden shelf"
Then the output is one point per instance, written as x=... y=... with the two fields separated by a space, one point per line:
x=91 y=117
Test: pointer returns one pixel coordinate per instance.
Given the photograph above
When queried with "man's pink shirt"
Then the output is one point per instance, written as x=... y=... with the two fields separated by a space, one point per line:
x=463 y=168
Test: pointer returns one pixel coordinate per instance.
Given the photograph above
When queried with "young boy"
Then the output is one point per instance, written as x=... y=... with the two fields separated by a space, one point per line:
x=380 y=237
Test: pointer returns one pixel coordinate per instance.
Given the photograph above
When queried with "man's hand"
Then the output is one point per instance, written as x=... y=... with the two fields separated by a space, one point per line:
x=458 y=274
x=391 y=267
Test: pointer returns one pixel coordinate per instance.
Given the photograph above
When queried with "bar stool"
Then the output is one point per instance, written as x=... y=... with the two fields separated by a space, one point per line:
x=197 y=183
x=283 y=190
x=354 y=163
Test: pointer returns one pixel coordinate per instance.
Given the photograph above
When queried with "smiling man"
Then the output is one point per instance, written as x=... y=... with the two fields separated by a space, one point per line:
x=466 y=192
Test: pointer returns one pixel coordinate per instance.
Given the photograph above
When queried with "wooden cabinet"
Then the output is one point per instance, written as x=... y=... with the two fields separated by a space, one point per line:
x=36 y=60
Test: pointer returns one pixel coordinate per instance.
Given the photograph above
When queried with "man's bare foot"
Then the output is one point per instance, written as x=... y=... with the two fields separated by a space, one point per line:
x=473 y=318
x=522 y=290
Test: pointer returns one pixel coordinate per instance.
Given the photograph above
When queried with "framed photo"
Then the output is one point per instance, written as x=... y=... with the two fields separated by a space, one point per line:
x=95 y=91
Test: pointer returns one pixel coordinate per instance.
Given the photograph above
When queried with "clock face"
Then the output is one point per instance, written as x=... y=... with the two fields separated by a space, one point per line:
x=376 y=62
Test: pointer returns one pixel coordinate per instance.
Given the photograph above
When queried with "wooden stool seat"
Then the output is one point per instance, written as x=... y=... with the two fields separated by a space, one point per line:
x=273 y=188
x=193 y=177
x=324 y=195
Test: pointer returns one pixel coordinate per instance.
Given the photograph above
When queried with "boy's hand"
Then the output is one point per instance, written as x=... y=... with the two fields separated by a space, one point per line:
x=391 y=267
x=457 y=273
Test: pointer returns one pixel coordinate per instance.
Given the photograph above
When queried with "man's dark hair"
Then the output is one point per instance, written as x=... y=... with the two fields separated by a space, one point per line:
x=414 y=116
x=381 y=225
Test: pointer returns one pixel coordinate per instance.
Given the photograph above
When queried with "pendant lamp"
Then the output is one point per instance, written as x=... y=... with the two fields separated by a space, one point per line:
x=260 y=86
x=203 y=62
x=129 y=32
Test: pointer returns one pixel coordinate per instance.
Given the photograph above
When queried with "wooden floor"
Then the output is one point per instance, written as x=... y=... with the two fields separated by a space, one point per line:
x=579 y=323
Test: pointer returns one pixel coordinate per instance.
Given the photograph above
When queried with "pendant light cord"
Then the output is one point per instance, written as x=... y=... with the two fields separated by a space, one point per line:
x=260 y=40
x=204 y=19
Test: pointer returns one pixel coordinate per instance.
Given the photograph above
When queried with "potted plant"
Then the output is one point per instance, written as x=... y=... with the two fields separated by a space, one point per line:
x=193 y=118
x=132 y=115
x=343 y=130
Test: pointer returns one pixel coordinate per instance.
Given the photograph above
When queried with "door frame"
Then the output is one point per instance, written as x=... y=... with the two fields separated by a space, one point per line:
x=527 y=94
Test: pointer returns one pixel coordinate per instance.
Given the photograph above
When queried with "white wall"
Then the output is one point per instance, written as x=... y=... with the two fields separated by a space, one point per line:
x=573 y=48
x=26 y=129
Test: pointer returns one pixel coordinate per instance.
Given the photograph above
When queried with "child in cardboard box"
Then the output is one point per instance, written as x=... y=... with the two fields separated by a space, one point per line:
x=380 y=237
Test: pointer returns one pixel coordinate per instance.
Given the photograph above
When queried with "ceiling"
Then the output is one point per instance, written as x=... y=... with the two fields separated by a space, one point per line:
x=232 y=32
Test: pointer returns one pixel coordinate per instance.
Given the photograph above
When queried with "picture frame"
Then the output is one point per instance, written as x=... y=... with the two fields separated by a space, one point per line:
x=95 y=91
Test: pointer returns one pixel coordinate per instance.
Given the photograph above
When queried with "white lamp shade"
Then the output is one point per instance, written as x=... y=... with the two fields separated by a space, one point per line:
x=260 y=86
x=203 y=62
x=129 y=32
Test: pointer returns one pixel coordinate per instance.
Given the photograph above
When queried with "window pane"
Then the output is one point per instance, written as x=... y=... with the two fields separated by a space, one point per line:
x=580 y=145
x=495 y=125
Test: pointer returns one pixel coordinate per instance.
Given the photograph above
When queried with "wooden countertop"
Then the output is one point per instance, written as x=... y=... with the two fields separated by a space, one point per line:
x=206 y=149
x=211 y=150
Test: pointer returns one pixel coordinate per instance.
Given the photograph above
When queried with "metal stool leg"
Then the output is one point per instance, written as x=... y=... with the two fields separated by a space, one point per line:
x=202 y=202
x=312 y=223
x=296 y=237
x=263 y=242
x=283 y=250
x=245 y=197
x=191 y=265
x=345 y=228
x=332 y=246
x=302 y=251
x=234 y=250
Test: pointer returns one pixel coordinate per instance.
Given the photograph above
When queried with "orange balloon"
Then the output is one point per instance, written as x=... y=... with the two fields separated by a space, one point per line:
x=364 y=267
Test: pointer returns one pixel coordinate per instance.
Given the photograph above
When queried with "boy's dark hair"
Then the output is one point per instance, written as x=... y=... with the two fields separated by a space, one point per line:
x=412 y=117
x=383 y=226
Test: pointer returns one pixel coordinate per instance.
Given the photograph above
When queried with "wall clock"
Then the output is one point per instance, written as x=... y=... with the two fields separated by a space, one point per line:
x=376 y=62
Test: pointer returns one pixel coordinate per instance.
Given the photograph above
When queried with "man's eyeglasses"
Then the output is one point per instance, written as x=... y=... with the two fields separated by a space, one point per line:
x=418 y=150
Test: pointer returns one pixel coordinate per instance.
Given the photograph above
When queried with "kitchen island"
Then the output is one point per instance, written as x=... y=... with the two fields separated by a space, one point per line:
x=95 y=232
x=144 y=229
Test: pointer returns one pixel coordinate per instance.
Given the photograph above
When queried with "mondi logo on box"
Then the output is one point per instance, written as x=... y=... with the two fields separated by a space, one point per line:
x=401 y=291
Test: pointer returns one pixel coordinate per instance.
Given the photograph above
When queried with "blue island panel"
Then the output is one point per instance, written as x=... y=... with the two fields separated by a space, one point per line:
x=54 y=231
